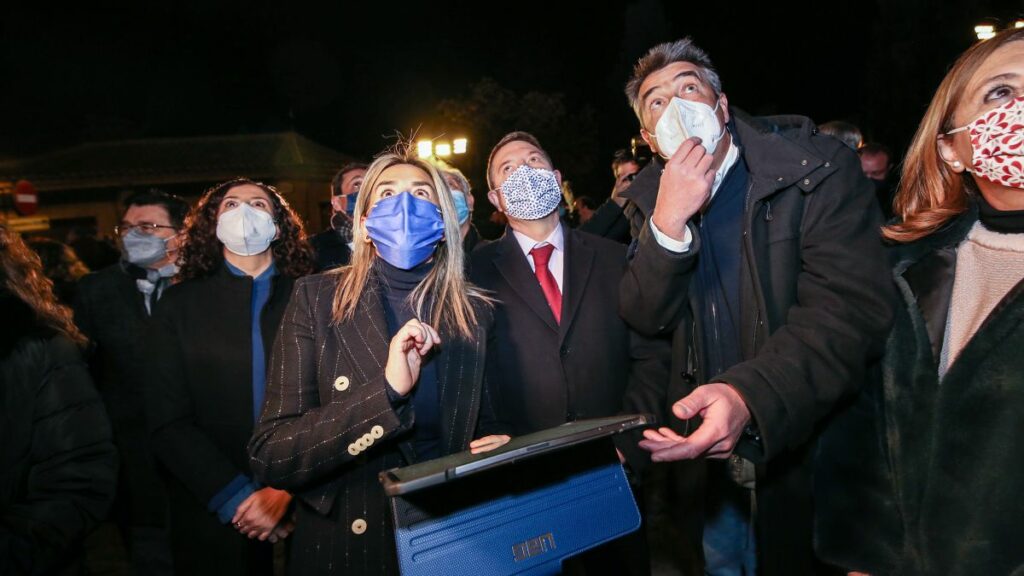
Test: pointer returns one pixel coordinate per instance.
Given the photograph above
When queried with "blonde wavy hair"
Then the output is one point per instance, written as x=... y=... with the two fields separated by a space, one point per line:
x=931 y=193
x=450 y=296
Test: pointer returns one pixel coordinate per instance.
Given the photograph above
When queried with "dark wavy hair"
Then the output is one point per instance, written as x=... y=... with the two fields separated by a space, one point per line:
x=202 y=252
x=21 y=274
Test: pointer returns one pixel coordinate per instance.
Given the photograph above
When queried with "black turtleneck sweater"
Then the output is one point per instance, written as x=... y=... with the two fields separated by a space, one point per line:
x=397 y=285
x=1002 y=221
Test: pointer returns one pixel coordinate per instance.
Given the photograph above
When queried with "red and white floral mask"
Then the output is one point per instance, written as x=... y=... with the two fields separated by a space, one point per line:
x=997 y=138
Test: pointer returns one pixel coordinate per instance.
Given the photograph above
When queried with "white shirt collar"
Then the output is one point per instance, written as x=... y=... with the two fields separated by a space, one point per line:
x=730 y=159
x=556 y=239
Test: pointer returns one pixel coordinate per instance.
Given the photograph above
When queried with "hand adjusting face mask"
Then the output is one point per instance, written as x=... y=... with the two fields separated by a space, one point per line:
x=997 y=142
x=405 y=229
x=685 y=119
x=531 y=193
x=246 y=231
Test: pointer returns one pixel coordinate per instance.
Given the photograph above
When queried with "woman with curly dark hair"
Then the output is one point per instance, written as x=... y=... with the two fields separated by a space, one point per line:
x=58 y=465
x=243 y=249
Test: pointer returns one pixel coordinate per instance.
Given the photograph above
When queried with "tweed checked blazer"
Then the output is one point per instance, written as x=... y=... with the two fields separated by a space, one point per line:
x=328 y=426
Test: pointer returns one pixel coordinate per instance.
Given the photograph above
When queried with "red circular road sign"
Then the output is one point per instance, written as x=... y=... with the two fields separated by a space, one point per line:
x=26 y=199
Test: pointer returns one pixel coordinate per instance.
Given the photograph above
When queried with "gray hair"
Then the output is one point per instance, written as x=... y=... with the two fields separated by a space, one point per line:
x=459 y=177
x=669 y=53
x=447 y=169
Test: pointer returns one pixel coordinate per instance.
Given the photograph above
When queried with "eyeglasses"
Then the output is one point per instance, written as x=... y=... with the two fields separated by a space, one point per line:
x=144 y=227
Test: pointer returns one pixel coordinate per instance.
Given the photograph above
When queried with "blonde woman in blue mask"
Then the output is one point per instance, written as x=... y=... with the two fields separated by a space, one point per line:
x=378 y=364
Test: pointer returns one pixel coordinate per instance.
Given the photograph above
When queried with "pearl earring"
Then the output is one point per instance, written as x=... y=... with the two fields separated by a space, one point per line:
x=957 y=164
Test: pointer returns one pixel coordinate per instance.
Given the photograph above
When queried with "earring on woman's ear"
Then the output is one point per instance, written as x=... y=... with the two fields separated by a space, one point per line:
x=957 y=164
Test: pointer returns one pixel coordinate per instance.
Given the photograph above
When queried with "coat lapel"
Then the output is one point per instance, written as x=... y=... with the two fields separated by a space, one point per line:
x=365 y=339
x=578 y=261
x=512 y=265
x=931 y=281
x=928 y=268
x=460 y=376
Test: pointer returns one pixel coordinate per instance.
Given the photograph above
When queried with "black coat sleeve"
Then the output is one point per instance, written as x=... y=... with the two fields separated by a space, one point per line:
x=301 y=442
x=654 y=291
x=646 y=393
x=608 y=222
x=178 y=442
x=72 y=466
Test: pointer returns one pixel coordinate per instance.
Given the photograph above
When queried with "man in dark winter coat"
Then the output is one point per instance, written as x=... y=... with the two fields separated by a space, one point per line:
x=333 y=247
x=756 y=246
x=113 y=307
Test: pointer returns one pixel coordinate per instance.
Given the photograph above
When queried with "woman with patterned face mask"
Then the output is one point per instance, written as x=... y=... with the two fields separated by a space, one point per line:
x=923 y=474
x=208 y=348
x=379 y=364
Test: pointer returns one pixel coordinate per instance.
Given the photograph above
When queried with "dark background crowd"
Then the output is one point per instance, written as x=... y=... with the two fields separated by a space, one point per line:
x=357 y=79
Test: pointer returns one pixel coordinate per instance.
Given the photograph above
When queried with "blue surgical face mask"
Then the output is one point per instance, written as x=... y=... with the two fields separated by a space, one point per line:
x=143 y=249
x=350 y=204
x=245 y=230
x=405 y=229
x=461 y=205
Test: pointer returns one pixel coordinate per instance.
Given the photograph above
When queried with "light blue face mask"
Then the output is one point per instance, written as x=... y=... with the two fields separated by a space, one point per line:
x=405 y=229
x=143 y=249
x=461 y=205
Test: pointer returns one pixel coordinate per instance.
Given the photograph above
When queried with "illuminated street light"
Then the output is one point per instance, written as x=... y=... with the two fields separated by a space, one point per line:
x=985 y=31
x=443 y=150
x=460 y=145
x=425 y=148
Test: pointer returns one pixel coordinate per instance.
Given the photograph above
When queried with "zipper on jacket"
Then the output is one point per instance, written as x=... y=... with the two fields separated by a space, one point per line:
x=768 y=211
x=692 y=365
x=748 y=247
x=716 y=336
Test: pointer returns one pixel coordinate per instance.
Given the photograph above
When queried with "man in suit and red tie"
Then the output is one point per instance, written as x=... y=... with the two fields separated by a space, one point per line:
x=559 y=350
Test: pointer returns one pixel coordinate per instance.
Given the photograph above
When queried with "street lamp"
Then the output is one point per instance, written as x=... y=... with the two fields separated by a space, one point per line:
x=424 y=148
x=985 y=31
x=427 y=148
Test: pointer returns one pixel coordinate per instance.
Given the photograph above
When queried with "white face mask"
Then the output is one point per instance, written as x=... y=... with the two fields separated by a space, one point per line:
x=686 y=119
x=245 y=230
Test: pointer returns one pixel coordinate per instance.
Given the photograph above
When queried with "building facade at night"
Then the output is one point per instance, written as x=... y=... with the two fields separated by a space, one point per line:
x=83 y=186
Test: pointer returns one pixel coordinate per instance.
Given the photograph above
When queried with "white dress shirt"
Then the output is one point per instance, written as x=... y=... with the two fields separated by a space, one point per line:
x=556 y=263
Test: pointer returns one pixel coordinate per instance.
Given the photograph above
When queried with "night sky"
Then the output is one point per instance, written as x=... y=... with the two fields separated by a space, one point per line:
x=348 y=74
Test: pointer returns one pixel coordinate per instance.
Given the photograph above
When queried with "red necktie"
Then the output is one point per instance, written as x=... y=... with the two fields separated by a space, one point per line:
x=541 y=257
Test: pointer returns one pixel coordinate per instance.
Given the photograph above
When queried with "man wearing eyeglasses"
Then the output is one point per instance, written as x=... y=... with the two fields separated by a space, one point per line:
x=112 y=308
